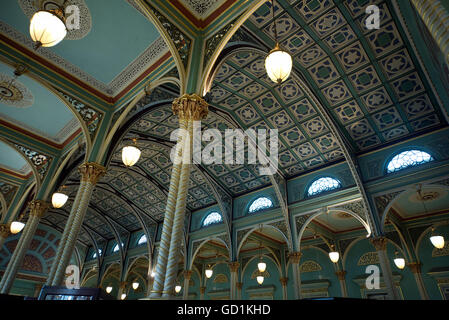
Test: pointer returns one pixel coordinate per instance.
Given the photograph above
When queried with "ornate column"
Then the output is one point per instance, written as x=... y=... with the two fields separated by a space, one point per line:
x=234 y=268
x=436 y=18
x=4 y=234
x=341 y=275
x=239 y=286
x=202 y=292
x=189 y=108
x=295 y=257
x=380 y=243
x=37 y=210
x=284 y=282
x=90 y=174
x=187 y=276
x=415 y=268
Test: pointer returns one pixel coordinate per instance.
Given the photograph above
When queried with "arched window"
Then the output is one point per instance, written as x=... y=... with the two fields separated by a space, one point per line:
x=323 y=185
x=260 y=204
x=142 y=240
x=212 y=218
x=409 y=158
x=116 y=248
x=95 y=253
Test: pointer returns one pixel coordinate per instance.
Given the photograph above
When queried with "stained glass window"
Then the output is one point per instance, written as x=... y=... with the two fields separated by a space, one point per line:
x=260 y=204
x=212 y=218
x=323 y=185
x=95 y=253
x=407 y=159
x=142 y=240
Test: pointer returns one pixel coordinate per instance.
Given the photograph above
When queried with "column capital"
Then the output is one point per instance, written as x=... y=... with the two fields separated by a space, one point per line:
x=341 y=274
x=295 y=257
x=91 y=172
x=190 y=107
x=380 y=243
x=187 y=274
x=5 y=230
x=38 y=208
x=122 y=285
x=284 y=281
x=415 y=267
x=234 y=266
x=202 y=290
x=239 y=285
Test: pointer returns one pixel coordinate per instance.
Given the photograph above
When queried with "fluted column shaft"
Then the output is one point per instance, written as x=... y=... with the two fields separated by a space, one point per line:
x=202 y=292
x=380 y=243
x=90 y=173
x=65 y=234
x=239 y=290
x=284 y=282
x=164 y=244
x=189 y=108
x=234 y=268
x=37 y=210
x=415 y=268
x=295 y=257
x=187 y=275
x=341 y=275
x=436 y=18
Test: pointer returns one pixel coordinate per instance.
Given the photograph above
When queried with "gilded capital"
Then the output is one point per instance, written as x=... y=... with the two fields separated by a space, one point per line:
x=234 y=266
x=202 y=290
x=415 y=267
x=380 y=243
x=187 y=274
x=283 y=281
x=91 y=172
x=295 y=257
x=341 y=274
x=190 y=107
x=239 y=285
x=38 y=208
x=5 y=231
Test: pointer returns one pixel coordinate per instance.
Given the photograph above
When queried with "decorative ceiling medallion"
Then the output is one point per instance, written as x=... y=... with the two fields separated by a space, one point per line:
x=13 y=93
x=29 y=7
x=425 y=196
x=343 y=215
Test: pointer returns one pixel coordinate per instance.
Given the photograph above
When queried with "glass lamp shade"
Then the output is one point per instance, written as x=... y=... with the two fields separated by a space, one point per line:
x=152 y=274
x=334 y=256
x=130 y=155
x=400 y=263
x=16 y=227
x=178 y=289
x=262 y=266
x=47 y=29
x=109 y=289
x=278 y=65
x=59 y=199
x=437 y=241
x=123 y=296
x=135 y=285
x=260 y=279
x=209 y=273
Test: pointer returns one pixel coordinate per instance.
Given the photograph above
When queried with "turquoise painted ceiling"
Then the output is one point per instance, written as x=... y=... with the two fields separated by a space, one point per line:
x=46 y=117
x=11 y=159
x=118 y=36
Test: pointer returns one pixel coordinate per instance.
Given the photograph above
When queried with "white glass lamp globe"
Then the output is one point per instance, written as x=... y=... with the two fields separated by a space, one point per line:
x=109 y=289
x=178 y=289
x=135 y=285
x=260 y=279
x=47 y=29
x=209 y=273
x=278 y=65
x=16 y=227
x=262 y=266
x=152 y=274
x=437 y=241
x=334 y=256
x=123 y=296
x=59 y=199
x=400 y=263
x=130 y=155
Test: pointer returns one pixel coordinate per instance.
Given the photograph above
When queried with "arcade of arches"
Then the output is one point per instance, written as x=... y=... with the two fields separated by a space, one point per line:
x=361 y=186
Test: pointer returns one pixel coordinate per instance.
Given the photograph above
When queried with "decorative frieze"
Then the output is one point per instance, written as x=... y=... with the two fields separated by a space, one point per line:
x=310 y=266
x=368 y=258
